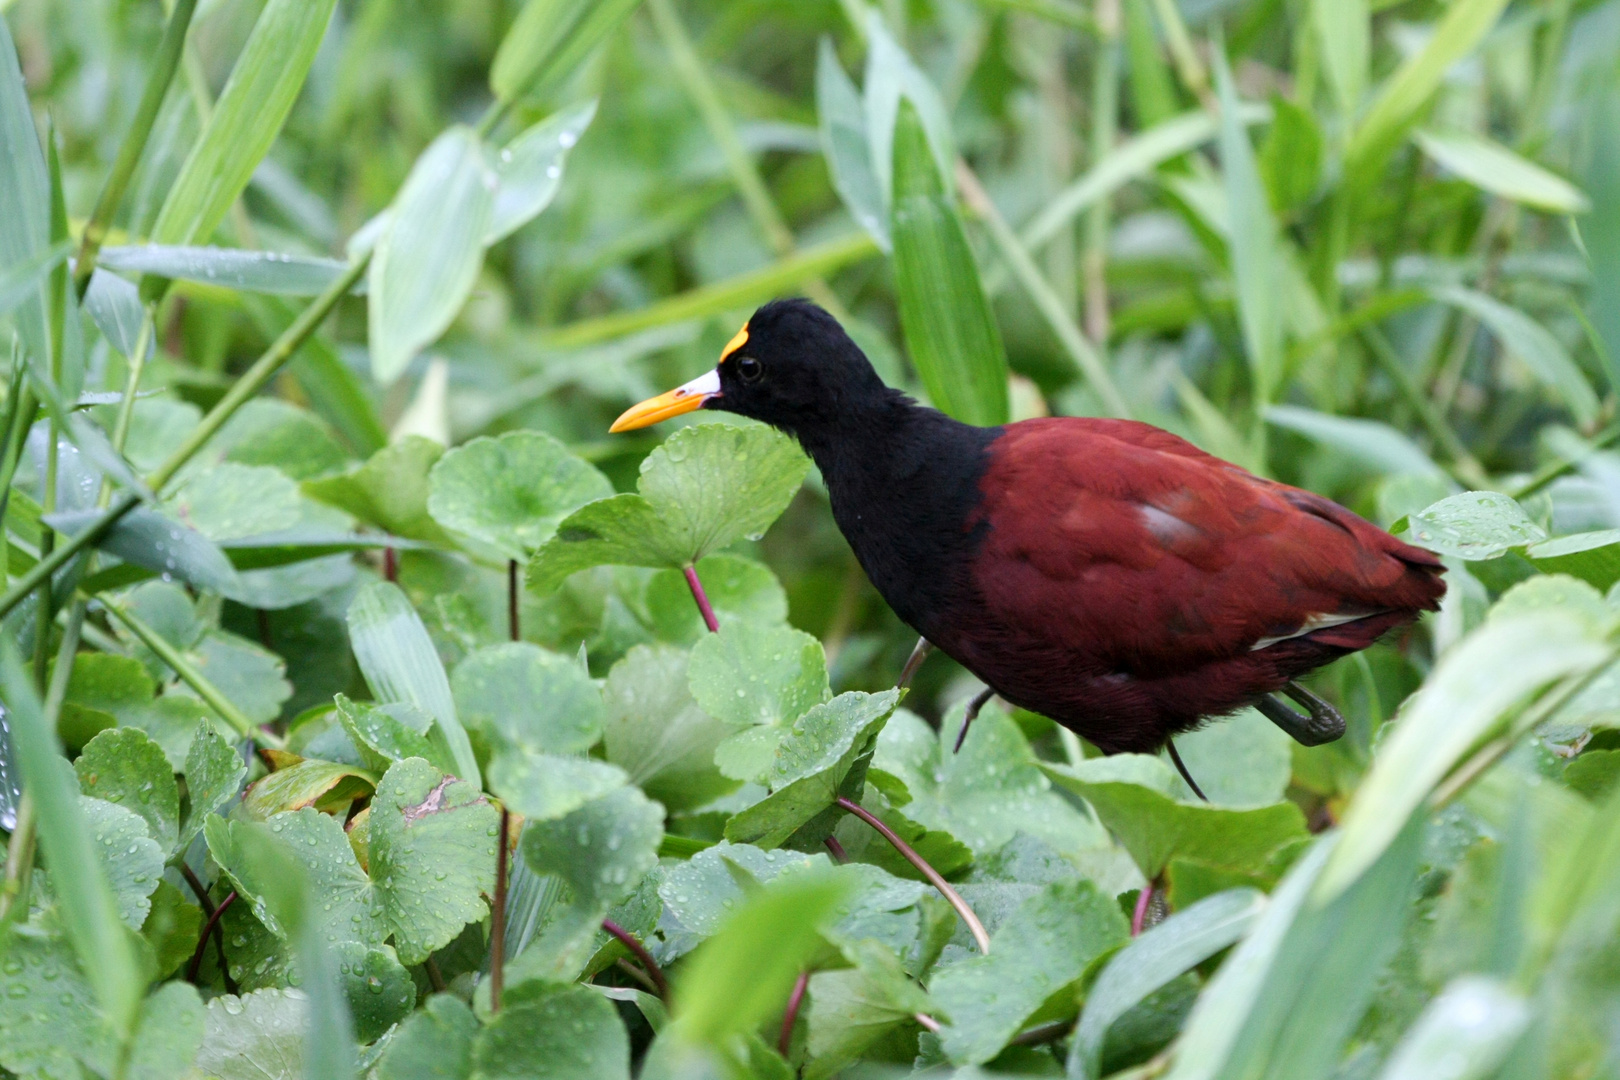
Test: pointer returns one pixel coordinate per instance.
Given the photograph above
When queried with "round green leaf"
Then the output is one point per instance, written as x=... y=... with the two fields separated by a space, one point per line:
x=509 y=492
x=529 y=698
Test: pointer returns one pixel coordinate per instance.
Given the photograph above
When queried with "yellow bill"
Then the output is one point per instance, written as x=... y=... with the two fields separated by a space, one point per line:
x=682 y=399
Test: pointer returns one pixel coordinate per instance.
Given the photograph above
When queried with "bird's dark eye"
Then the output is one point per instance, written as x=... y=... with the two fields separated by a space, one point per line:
x=749 y=369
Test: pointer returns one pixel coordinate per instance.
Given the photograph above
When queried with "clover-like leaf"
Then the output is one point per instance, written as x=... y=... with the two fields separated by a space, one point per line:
x=230 y=501
x=983 y=795
x=432 y=855
x=390 y=491
x=214 y=772
x=706 y=487
x=49 y=1017
x=573 y=1030
x=168 y=1032
x=1047 y=944
x=384 y=734
x=854 y=1007
x=529 y=698
x=379 y=990
x=132 y=859
x=434 y=1043
x=509 y=492
x=702 y=891
x=813 y=762
x=544 y=786
x=124 y=766
x=254 y=1036
x=655 y=732
x=1132 y=794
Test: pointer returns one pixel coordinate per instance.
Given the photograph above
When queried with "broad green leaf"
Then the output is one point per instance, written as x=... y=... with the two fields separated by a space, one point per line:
x=548 y=40
x=1160 y=954
x=254 y=1037
x=49 y=1018
x=1373 y=443
x=131 y=859
x=1131 y=794
x=655 y=732
x=700 y=894
x=529 y=169
x=168 y=1034
x=304 y=783
x=739 y=589
x=601 y=851
x=269 y=431
x=115 y=306
x=263 y=85
x=705 y=488
x=157 y=542
x=573 y=1030
x=1463 y=1034
x=1291 y=156
x=1046 y=945
x=982 y=796
x=428 y=256
x=528 y=698
x=812 y=766
x=1253 y=243
x=375 y=985
x=252 y=677
x=24 y=196
x=434 y=1043
x=1594 y=557
x=845 y=145
x=1243 y=760
x=1471 y=693
x=1494 y=168
x=1523 y=337
x=171 y=928
x=546 y=786
x=950 y=330
x=1475 y=525
x=231 y=501
x=384 y=734
x=739 y=976
x=231 y=268
x=1601 y=232
x=389 y=491
x=852 y=1008
x=86 y=902
x=510 y=492
x=432 y=855
x=400 y=664
x=1400 y=101
x=756 y=675
x=124 y=766
x=1344 y=28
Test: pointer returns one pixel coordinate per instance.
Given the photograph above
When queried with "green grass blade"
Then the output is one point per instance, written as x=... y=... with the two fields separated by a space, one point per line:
x=1345 y=30
x=84 y=897
x=24 y=196
x=262 y=88
x=548 y=40
x=949 y=328
x=1494 y=168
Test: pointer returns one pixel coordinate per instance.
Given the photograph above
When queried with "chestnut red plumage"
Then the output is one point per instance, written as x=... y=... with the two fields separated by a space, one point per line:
x=1104 y=573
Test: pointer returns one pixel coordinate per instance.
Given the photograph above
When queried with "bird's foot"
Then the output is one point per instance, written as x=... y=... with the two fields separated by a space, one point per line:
x=971 y=715
x=1181 y=767
x=1322 y=724
x=915 y=661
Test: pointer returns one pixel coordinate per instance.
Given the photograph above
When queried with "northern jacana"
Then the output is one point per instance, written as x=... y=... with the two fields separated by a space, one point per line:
x=1104 y=573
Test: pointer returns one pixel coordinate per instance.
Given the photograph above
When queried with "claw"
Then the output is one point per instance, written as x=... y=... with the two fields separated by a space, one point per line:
x=1323 y=724
x=972 y=714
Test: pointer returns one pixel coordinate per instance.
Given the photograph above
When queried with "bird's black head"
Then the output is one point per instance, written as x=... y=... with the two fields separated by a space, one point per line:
x=791 y=365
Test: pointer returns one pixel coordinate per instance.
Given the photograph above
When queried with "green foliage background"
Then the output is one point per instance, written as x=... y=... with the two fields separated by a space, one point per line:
x=305 y=459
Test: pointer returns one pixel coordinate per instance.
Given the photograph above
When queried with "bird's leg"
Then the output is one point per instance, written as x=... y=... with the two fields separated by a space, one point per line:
x=971 y=715
x=1182 y=769
x=1323 y=724
x=915 y=661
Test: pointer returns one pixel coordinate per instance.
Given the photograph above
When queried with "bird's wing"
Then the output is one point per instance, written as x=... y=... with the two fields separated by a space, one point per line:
x=1127 y=544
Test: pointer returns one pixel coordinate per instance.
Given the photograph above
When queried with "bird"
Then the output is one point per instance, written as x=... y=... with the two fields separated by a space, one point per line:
x=1104 y=573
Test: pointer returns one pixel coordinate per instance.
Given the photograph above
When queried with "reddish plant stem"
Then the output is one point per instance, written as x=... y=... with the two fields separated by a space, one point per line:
x=934 y=877
x=513 y=625
x=629 y=941
x=435 y=976
x=927 y=1021
x=636 y=973
x=838 y=853
x=784 y=1041
x=391 y=565
x=702 y=599
x=1144 y=900
x=219 y=931
x=202 y=942
x=497 y=915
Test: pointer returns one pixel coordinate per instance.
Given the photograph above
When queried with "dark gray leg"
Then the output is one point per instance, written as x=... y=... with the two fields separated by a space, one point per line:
x=1322 y=724
x=1182 y=769
x=972 y=714
x=914 y=661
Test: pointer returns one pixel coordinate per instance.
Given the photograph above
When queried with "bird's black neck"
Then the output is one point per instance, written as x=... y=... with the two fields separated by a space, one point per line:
x=904 y=485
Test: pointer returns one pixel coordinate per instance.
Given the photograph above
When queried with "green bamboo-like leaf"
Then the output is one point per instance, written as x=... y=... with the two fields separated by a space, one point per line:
x=232 y=268
x=1602 y=231
x=1344 y=28
x=24 y=197
x=1475 y=525
x=845 y=145
x=1525 y=338
x=1253 y=242
x=260 y=93
x=1492 y=167
x=85 y=899
x=400 y=664
x=548 y=40
x=1465 y=1032
x=529 y=169
x=950 y=330
x=893 y=80
x=1401 y=99
x=428 y=255
x=1379 y=446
